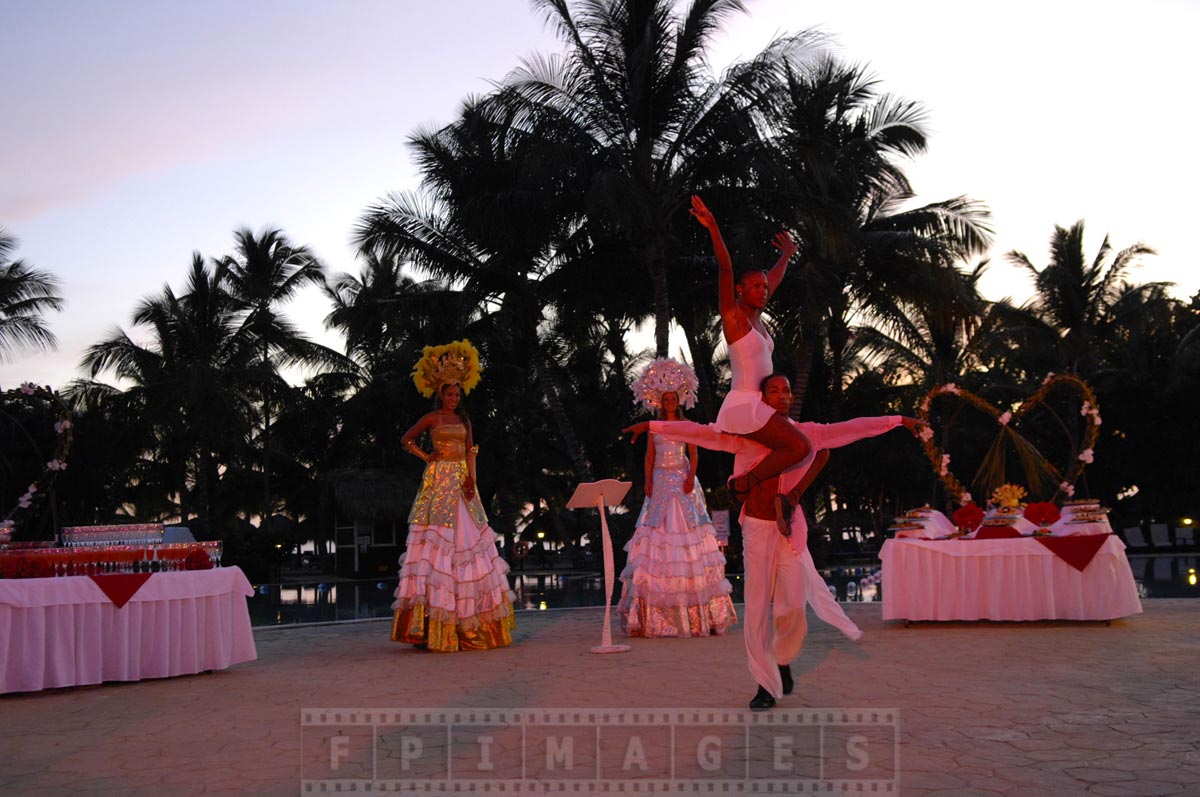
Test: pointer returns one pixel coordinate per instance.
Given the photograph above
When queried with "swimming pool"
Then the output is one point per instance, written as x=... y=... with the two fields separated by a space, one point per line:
x=344 y=601
x=290 y=604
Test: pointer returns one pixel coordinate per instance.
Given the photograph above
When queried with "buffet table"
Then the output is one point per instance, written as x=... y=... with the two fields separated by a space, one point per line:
x=67 y=631
x=1003 y=579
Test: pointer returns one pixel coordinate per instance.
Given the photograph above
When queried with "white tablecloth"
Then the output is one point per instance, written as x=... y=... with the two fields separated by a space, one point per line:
x=1012 y=579
x=66 y=632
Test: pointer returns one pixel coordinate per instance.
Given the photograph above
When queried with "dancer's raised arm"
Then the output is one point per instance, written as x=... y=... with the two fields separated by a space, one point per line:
x=733 y=321
x=787 y=247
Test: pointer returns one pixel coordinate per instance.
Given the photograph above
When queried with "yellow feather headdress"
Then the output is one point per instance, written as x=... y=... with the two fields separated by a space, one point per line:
x=456 y=363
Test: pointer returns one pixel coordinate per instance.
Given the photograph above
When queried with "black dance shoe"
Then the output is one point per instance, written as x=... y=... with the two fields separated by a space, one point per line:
x=740 y=486
x=762 y=700
x=785 y=673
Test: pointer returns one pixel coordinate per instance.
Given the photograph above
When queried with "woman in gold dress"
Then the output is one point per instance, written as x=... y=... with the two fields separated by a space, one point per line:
x=453 y=592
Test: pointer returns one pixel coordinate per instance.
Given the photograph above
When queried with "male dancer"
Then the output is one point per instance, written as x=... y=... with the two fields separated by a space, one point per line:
x=780 y=567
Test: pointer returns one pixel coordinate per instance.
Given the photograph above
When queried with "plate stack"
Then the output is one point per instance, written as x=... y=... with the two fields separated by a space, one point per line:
x=1084 y=510
x=913 y=523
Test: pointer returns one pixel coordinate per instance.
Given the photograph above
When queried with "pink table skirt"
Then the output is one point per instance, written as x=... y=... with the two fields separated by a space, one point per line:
x=1015 y=579
x=65 y=632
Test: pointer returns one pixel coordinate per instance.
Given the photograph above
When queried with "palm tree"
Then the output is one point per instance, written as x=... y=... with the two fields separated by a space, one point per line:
x=634 y=111
x=833 y=171
x=386 y=318
x=188 y=386
x=488 y=224
x=946 y=335
x=1078 y=299
x=265 y=272
x=25 y=296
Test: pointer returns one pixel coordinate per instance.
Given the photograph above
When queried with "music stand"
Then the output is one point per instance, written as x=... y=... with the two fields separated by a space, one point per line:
x=606 y=492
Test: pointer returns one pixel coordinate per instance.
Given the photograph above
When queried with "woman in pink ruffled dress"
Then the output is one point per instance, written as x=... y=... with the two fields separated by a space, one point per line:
x=673 y=584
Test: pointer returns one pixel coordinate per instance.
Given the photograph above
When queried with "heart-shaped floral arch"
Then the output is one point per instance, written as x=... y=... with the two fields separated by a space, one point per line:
x=1089 y=409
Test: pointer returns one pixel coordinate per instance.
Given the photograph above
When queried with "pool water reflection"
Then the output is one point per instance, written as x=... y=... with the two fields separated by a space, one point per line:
x=292 y=604
x=341 y=601
x=1165 y=576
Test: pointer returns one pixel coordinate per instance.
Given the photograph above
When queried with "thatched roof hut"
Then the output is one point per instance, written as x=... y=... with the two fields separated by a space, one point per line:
x=373 y=495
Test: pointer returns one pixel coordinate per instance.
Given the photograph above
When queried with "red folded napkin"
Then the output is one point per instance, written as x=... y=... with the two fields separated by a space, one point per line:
x=997 y=533
x=1076 y=551
x=120 y=587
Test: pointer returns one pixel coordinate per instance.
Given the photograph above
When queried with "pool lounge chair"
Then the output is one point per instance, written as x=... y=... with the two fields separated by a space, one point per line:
x=1134 y=538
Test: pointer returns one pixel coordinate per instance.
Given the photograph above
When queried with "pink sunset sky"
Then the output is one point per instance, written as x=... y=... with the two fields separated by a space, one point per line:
x=138 y=132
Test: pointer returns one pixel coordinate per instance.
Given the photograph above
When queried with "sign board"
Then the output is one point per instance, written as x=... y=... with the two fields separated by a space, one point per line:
x=720 y=519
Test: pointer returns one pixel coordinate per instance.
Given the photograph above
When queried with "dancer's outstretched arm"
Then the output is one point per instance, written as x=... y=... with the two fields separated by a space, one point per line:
x=836 y=435
x=700 y=434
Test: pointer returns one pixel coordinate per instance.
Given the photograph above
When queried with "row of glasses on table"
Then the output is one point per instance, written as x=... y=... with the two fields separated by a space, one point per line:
x=129 y=534
x=134 y=558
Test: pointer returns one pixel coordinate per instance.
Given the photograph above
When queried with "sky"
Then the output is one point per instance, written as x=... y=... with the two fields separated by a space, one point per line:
x=138 y=132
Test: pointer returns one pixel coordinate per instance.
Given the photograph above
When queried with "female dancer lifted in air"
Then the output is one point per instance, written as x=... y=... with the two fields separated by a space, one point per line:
x=743 y=412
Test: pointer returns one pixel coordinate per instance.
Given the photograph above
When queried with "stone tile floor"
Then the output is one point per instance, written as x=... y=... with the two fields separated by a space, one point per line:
x=983 y=708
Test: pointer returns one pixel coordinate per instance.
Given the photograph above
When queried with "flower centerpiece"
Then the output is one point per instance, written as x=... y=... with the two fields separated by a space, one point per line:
x=1007 y=498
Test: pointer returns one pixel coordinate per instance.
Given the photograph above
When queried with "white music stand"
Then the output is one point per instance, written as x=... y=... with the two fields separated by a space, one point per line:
x=607 y=492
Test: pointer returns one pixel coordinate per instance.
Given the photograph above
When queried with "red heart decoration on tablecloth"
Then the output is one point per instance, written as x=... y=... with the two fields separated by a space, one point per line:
x=1007 y=421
